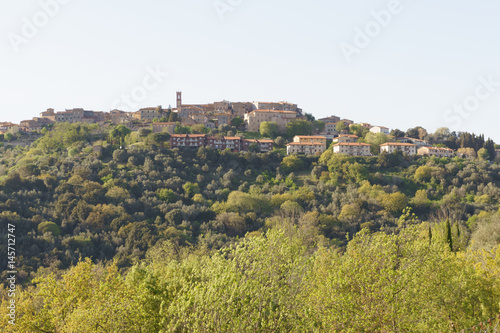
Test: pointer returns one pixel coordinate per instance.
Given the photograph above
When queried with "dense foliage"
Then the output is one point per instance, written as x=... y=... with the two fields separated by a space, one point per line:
x=203 y=240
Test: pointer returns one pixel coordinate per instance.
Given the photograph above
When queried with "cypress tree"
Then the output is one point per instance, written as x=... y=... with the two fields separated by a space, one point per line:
x=449 y=239
x=430 y=235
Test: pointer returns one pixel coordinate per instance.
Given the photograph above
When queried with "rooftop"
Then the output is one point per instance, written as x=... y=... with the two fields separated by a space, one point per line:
x=273 y=111
x=309 y=137
x=305 y=144
x=352 y=144
x=397 y=144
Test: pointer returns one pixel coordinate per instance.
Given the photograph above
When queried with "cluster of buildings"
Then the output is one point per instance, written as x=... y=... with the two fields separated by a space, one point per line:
x=233 y=143
x=215 y=114
x=7 y=127
x=347 y=144
x=78 y=115
x=212 y=115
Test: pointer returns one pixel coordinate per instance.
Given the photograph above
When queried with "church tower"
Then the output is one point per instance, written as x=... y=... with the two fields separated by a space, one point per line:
x=179 y=99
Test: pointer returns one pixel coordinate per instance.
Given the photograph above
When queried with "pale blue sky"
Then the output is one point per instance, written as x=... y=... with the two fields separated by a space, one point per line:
x=429 y=57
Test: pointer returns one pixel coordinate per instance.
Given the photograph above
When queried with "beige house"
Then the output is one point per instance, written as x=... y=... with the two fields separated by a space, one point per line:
x=278 y=106
x=240 y=108
x=331 y=119
x=223 y=118
x=391 y=147
x=49 y=114
x=347 y=121
x=264 y=145
x=281 y=118
x=308 y=148
x=117 y=116
x=380 y=129
x=330 y=128
x=222 y=107
x=436 y=151
x=74 y=116
x=419 y=143
x=310 y=139
x=346 y=138
x=187 y=111
x=164 y=127
x=9 y=128
x=352 y=149
x=199 y=118
x=147 y=114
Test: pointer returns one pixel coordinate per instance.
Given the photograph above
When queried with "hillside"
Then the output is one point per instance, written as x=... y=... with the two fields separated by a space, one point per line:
x=203 y=239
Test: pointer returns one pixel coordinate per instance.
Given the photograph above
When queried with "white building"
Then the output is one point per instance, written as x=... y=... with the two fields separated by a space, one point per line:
x=352 y=149
x=391 y=147
x=310 y=139
x=308 y=148
x=380 y=129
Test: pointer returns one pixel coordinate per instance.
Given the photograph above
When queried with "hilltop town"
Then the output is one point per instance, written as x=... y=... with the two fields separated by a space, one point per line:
x=257 y=125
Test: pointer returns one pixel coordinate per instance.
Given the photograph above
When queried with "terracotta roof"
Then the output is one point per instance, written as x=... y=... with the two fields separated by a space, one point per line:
x=273 y=111
x=352 y=144
x=309 y=137
x=305 y=144
x=232 y=137
x=437 y=148
x=348 y=136
x=397 y=144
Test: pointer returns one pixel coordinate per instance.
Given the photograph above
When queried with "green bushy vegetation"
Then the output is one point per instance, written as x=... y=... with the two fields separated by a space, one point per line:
x=204 y=240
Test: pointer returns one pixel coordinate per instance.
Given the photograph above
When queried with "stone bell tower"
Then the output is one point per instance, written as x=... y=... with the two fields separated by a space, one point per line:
x=179 y=99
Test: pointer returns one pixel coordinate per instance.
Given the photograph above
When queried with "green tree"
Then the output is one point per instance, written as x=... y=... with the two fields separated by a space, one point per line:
x=117 y=135
x=191 y=188
x=269 y=129
x=254 y=148
x=375 y=140
x=167 y=195
x=489 y=145
x=143 y=132
x=423 y=173
x=180 y=129
x=280 y=141
x=397 y=133
x=298 y=127
x=51 y=227
x=483 y=154
x=200 y=129
x=394 y=202
x=292 y=163
x=342 y=126
x=237 y=122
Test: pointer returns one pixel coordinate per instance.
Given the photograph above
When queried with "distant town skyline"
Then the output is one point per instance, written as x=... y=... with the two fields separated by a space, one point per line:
x=393 y=63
